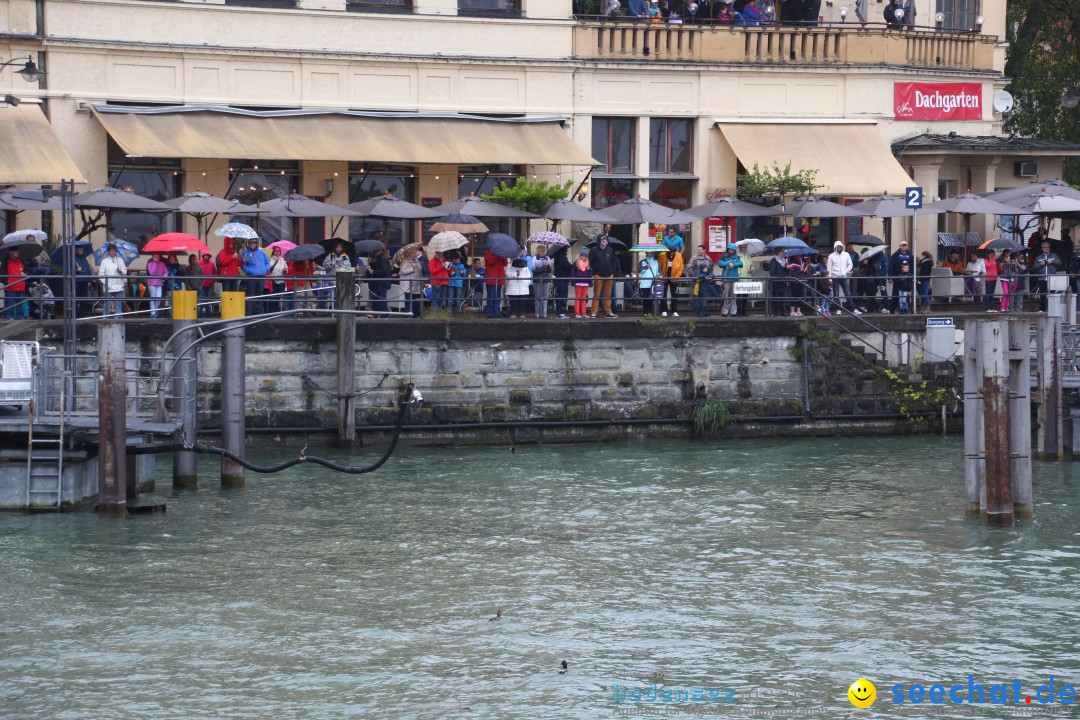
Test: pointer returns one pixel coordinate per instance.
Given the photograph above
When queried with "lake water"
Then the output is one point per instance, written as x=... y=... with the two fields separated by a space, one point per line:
x=783 y=570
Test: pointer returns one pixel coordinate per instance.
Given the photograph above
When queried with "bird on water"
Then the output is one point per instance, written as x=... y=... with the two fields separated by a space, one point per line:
x=564 y=666
x=497 y=618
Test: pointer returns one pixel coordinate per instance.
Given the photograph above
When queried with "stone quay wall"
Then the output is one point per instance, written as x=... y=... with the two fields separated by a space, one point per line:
x=506 y=372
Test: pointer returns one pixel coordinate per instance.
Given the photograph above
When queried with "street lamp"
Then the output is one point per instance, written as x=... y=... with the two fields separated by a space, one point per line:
x=843 y=14
x=1071 y=98
x=29 y=70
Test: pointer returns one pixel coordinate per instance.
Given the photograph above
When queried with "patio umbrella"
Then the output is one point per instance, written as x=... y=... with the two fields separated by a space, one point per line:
x=448 y=240
x=400 y=254
x=305 y=252
x=57 y=255
x=815 y=207
x=283 y=245
x=33 y=236
x=648 y=248
x=786 y=243
x=366 y=247
x=548 y=237
x=967 y=205
x=503 y=245
x=349 y=247
x=200 y=206
x=1050 y=187
x=753 y=245
x=1001 y=244
x=638 y=210
x=1042 y=203
x=300 y=206
x=478 y=207
x=570 y=210
x=237 y=230
x=127 y=251
x=459 y=223
x=883 y=206
x=389 y=207
x=176 y=243
x=727 y=207
x=110 y=198
x=16 y=201
x=866 y=240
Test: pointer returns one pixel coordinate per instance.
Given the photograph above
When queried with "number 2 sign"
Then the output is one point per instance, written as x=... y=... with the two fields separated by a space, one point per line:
x=913 y=198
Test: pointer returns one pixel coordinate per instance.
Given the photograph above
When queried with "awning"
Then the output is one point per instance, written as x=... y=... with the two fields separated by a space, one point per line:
x=852 y=159
x=30 y=152
x=227 y=133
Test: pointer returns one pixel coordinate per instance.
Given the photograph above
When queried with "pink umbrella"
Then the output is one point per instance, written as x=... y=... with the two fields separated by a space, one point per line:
x=175 y=243
x=285 y=246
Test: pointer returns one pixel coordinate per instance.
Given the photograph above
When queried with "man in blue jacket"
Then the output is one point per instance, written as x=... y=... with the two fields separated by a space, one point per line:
x=899 y=259
x=255 y=264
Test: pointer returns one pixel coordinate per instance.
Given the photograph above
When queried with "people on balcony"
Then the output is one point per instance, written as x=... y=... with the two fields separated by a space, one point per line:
x=892 y=19
x=724 y=15
x=751 y=14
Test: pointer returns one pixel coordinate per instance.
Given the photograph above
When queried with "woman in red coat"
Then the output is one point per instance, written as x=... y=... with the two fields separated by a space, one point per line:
x=228 y=266
x=439 y=268
x=494 y=279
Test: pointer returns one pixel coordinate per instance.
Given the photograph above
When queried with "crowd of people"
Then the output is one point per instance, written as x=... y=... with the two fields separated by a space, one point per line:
x=804 y=13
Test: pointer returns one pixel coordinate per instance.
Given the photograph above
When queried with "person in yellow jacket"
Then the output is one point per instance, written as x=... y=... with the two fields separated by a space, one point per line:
x=671 y=269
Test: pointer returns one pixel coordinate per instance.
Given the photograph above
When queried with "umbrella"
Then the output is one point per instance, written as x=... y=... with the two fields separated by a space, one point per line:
x=503 y=245
x=366 y=247
x=478 y=207
x=1042 y=203
x=799 y=252
x=110 y=198
x=300 y=206
x=391 y=208
x=459 y=223
x=727 y=207
x=866 y=240
x=57 y=255
x=970 y=204
x=648 y=248
x=350 y=248
x=200 y=204
x=449 y=240
x=33 y=236
x=127 y=251
x=283 y=245
x=872 y=252
x=786 y=243
x=28 y=248
x=305 y=252
x=17 y=201
x=547 y=237
x=175 y=243
x=611 y=241
x=753 y=245
x=399 y=256
x=639 y=210
x=570 y=210
x=1050 y=187
x=237 y=230
x=883 y=206
x=1001 y=244
x=814 y=207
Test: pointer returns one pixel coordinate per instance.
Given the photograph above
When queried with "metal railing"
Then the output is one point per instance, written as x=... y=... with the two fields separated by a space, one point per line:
x=60 y=392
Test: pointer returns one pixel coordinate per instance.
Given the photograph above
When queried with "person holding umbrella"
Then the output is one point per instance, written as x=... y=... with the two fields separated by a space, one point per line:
x=14 y=271
x=411 y=274
x=563 y=268
x=228 y=266
x=541 y=274
x=648 y=272
x=276 y=273
x=156 y=272
x=457 y=279
x=518 y=280
x=671 y=269
x=378 y=270
x=745 y=270
x=1046 y=263
x=255 y=265
x=82 y=272
x=730 y=270
x=494 y=279
x=112 y=270
x=439 y=270
x=206 y=291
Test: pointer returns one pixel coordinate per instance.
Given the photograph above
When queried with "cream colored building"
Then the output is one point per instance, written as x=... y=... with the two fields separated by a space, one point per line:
x=166 y=97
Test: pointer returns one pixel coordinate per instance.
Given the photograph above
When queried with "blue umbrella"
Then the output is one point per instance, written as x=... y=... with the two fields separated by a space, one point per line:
x=799 y=252
x=786 y=243
x=57 y=255
x=126 y=250
x=503 y=245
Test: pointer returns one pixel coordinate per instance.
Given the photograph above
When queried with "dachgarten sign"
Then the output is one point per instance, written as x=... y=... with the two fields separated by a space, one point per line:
x=938 y=101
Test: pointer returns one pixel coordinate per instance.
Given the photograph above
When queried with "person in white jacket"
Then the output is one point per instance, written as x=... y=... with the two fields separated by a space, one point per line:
x=518 y=280
x=112 y=270
x=839 y=267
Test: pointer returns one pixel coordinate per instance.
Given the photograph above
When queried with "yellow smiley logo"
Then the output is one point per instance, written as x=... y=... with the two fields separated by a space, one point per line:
x=862 y=693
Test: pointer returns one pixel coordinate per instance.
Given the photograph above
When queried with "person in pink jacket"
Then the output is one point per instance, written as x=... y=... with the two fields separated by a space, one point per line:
x=156 y=272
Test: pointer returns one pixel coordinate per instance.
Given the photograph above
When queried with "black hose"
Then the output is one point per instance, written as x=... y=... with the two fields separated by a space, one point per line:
x=204 y=448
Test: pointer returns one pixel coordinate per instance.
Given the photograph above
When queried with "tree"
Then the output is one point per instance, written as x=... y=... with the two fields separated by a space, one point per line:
x=779 y=181
x=1043 y=57
x=529 y=195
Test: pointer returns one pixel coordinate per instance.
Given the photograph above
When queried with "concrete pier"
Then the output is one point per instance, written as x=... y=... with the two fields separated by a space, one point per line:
x=112 y=420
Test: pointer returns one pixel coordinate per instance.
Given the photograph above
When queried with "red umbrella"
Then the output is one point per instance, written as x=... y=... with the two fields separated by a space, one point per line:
x=176 y=243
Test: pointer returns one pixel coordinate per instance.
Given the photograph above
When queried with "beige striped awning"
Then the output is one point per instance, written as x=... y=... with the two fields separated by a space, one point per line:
x=30 y=152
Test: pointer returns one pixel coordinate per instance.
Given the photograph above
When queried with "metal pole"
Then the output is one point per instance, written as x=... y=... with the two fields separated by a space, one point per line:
x=112 y=420
x=67 y=233
x=914 y=265
x=185 y=463
x=232 y=390
x=973 y=453
x=1048 y=343
x=995 y=389
x=346 y=347
x=1020 y=416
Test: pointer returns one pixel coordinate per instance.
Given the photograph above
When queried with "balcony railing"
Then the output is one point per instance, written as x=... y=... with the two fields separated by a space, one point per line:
x=842 y=44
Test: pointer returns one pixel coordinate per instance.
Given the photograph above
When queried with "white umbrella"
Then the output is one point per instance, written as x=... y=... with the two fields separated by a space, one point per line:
x=28 y=236
x=548 y=237
x=877 y=250
x=753 y=246
x=448 y=240
x=237 y=230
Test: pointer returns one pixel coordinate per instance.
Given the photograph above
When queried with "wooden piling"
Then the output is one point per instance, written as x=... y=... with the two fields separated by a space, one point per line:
x=346 y=358
x=112 y=420
x=993 y=339
x=232 y=390
x=974 y=466
x=1020 y=416
x=1051 y=441
x=185 y=463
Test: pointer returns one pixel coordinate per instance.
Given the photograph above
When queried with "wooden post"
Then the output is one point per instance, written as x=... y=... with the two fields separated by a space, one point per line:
x=1020 y=416
x=993 y=337
x=185 y=463
x=1050 y=431
x=974 y=465
x=112 y=420
x=346 y=347
x=232 y=390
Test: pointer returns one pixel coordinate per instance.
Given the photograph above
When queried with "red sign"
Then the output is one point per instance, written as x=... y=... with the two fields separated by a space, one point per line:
x=938 y=101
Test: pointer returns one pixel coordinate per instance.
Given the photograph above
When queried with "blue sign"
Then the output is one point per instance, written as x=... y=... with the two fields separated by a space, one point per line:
x=913 y=197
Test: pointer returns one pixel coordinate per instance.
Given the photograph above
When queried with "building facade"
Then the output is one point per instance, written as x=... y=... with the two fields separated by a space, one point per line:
x=433 y=99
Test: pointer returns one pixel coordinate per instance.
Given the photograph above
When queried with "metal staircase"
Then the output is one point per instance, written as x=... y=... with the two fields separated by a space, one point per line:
x=45 y=462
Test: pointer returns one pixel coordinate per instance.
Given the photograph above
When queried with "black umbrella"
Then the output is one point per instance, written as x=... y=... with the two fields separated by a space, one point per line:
x=349 y=247
x=1002 y=244
x=611 y=241
x=305 y=252
x=866 y=240
x=503 y=245
x=364 y=247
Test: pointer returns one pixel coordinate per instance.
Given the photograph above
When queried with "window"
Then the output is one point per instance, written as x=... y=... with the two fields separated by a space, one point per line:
x=489 y=7
x=365 y=185
x=959 y=14
x=259 y=181
x=671 y=146
x=153 y=178
x=480 y=180
x=613 y=144
x=397 y=6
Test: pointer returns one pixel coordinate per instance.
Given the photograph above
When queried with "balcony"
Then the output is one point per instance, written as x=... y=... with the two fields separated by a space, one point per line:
x=776 y=45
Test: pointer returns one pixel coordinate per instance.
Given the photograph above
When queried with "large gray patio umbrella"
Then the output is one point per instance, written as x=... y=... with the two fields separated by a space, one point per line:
x=727 y=207
x=478 y=207
x=200 y=206
x=11 y=200
x=1050 y=187
x=815 y=207
x=570 y=210
x=299 y=206
x=389 y=207
x=1041 y=203
x=110 y=198
x=969 y=204
x=639 y=210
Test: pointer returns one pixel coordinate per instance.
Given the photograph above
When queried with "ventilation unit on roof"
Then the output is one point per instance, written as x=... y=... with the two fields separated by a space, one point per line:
x=1027 y=169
